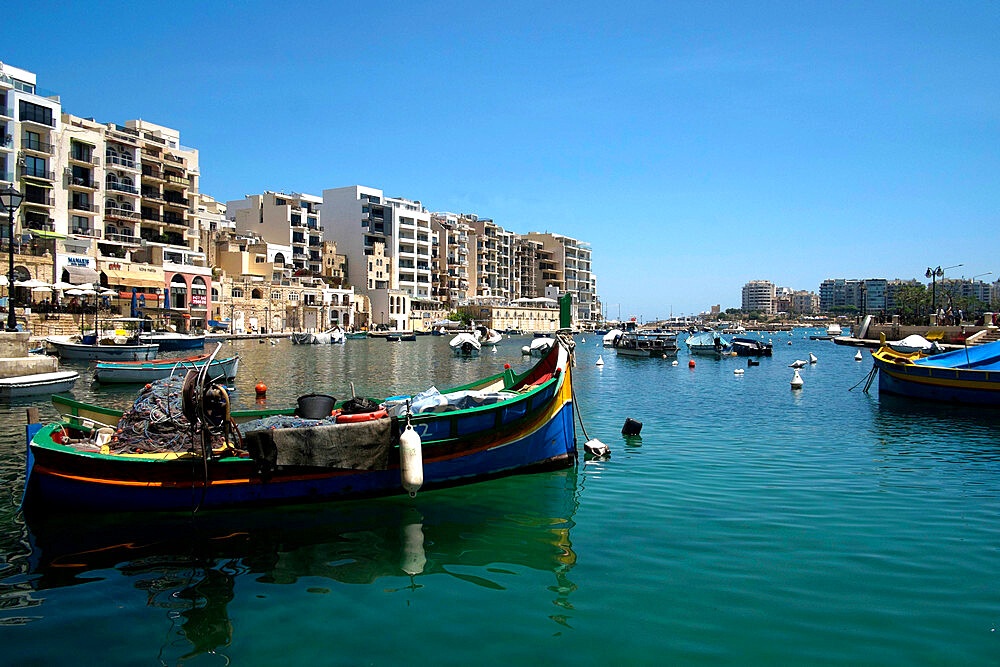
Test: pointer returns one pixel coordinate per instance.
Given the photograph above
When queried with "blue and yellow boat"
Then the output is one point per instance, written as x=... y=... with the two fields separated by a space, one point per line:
x=970 y=375
x=71 y=468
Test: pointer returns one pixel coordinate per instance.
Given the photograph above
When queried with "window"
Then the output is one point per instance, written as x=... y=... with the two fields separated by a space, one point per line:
x=32 y=141
x=237 y=293
x=276 y=296
x=81 y=152
x=36 y=113
x=34 y=166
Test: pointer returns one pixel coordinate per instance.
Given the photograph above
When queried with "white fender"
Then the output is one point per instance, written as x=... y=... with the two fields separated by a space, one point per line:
x=411 y=461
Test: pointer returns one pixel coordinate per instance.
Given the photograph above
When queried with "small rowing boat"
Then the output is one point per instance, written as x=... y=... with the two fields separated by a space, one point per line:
x=38 y=383
x=150 y=371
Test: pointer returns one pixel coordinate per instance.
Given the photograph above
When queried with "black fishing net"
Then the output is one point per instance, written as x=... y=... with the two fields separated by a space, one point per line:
x=155 y=423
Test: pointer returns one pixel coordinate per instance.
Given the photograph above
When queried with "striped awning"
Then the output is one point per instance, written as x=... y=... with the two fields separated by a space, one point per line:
x=78 y=275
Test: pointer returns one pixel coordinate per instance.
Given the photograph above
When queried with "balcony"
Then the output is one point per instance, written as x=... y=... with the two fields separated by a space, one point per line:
x=34 y=225
x=6 y=177
x=47 y=201
x=37 y=119
x=81 y=183
x=150 y=174
x=36 y=146
x=152 y=195
x=123 y=135
x=7 y=112
x=177 y=202
x=78 y=205
x=82 y=158
x=173 y=158
x=116 y=213
x=127 y=239
x=175 y=221
x=85 y=231
x=28 y=172
x=174 y=179
x=122 y=187
x=119 y=161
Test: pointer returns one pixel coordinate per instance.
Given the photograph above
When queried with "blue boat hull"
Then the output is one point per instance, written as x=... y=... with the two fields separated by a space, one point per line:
x=935 y=392
x=197 y=343
x=551 y=446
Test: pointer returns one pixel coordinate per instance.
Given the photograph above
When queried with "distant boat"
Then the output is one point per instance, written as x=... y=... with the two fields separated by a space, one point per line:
x=357 y=335
x=150 y=371
x=609 y=337
x=539 y=347
x=465 y=344
x=709 y=343
x=37 y=383
x=751 y=347
x=646 y=345
x=68 y=349
x=171 y=340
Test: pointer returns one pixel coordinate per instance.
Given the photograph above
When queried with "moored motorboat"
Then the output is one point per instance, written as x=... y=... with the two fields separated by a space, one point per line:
x=37 y=383
x=708 y=343
x=540 y=347
x=150 y=371
x=635 y=344
x=970 y=375
x=70 y=349
x=751 y=347
x=170 y=340
x=609 y=338
x=465 y=345
x=504 y=424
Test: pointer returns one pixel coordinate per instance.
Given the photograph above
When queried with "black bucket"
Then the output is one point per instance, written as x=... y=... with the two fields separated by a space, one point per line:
x=631 y=427
x=315 y=406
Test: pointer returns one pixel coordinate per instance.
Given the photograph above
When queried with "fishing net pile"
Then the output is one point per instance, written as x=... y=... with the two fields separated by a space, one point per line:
x=155 y=423
x=283 y=421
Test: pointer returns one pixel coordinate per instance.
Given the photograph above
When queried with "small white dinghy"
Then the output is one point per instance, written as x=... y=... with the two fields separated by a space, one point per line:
x=465 y=345
x=40 y=383
x=911 y=344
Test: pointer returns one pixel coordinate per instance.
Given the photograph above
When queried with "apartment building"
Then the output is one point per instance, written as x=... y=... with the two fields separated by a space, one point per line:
x=452 y=282
x=804 y=302
x=292 y=219
x=30 y=122
x=565 y=266
x=759 y=296
x=388 y=244
x=526 y=255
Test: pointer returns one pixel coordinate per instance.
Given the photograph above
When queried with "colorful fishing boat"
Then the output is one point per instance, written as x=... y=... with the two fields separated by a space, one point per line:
x=970 y=375
x=646 y=345
x=522 y=423
x=150 y=371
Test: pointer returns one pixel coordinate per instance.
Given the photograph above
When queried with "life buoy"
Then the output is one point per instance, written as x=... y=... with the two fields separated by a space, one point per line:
x=360 y=417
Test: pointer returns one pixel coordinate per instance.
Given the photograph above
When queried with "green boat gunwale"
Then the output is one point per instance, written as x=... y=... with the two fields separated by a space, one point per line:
x=43 y=437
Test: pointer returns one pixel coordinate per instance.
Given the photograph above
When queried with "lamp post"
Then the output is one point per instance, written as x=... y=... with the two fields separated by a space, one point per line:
x=11 y=199
x=934 y=274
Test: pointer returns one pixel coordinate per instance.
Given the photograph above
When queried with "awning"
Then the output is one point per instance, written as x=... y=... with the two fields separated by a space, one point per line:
x=37 y=182
x=80 y=274
x=125 y=276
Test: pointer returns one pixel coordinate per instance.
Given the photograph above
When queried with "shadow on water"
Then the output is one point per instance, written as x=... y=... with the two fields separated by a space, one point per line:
x=192 y=566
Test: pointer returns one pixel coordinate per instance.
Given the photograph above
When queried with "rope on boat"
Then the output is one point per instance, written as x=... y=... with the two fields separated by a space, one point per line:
x=867 y=379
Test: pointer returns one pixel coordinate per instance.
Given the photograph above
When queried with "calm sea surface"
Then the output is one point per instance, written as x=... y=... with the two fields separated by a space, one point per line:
x=750 y=523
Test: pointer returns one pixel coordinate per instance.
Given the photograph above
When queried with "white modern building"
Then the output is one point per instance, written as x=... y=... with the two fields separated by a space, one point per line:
x=759 y=295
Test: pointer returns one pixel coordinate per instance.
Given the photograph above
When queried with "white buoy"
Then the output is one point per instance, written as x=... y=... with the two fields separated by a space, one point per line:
x=797 y=380
x=525 y=349
x=600 y=361
x=798 y=363
x=858 y=357
x=583 y=340
x=738 y=371
x=494 y=349
x=812 y=358
x=411 y=461
x=789 y=342
x=595 y=448
x=272 y=342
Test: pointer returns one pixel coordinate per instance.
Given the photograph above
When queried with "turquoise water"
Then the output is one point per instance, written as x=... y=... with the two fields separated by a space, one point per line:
x=749 y=523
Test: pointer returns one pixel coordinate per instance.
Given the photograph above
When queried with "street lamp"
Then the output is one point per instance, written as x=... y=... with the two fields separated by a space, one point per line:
x=934 y=274
x=11 y=199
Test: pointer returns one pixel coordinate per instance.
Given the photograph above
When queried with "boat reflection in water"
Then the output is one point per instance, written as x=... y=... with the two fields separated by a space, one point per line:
x=193 y=566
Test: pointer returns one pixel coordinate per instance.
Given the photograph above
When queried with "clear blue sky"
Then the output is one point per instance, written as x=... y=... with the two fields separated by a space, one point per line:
x=696 y=145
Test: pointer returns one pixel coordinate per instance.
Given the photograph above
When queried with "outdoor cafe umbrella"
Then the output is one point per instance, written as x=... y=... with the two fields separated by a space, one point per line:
x=30 y=284
x=60 y=285
x=3 y=281
x=80 y=292
x=41 y=288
